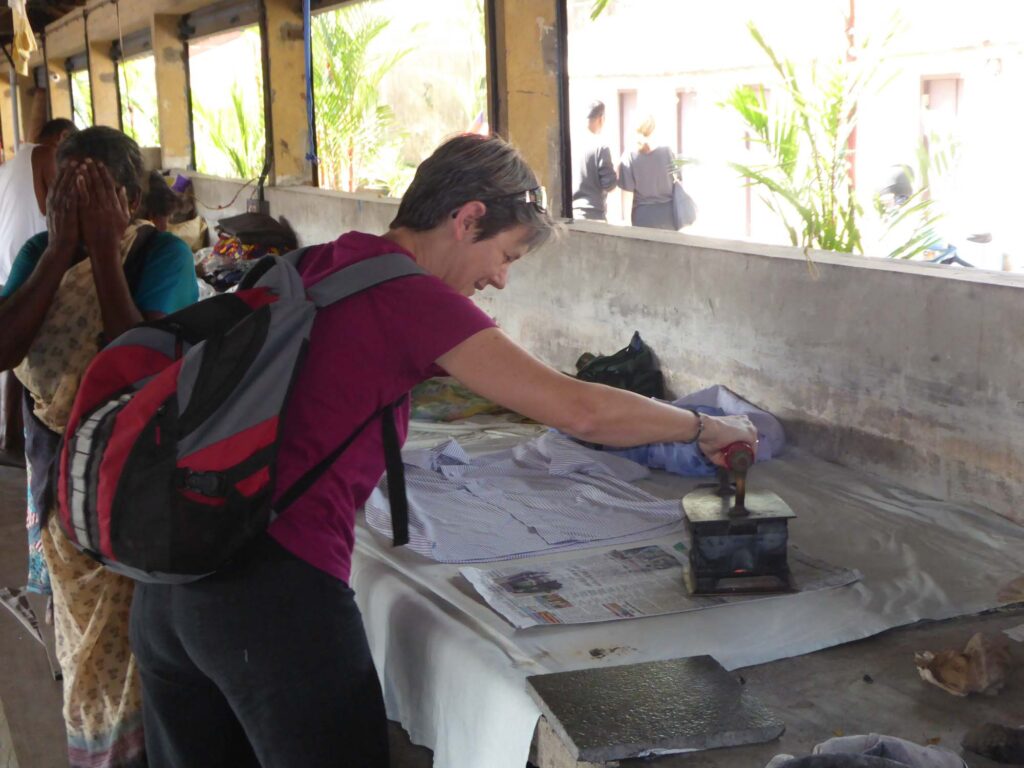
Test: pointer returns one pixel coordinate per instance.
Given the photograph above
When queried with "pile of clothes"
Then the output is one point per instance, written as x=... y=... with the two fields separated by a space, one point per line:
x=871 y=751
x=242 y=241
x=1000 y=743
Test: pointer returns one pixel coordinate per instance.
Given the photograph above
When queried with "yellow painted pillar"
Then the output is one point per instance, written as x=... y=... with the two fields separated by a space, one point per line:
x=33 y=108
x=60 y=89
x=171 y=60
x=527 y=74
x=106 y=109
x=286 y=123
x=64 y=38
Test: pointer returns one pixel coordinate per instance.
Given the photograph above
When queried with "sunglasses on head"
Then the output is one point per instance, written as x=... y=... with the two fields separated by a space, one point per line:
x=537 y=197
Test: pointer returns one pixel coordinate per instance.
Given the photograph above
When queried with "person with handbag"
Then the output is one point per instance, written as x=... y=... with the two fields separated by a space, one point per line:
x=659 y=201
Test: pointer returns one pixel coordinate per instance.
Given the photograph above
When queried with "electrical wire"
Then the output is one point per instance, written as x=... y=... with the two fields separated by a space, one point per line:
x=228 y=204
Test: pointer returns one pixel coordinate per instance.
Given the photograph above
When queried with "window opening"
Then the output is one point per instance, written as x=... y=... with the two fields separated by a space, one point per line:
x=226 y=80
x=137 y=89
x=391 y=80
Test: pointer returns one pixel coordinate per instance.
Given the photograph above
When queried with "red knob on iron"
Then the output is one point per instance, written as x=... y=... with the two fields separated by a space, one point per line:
x=738 y=457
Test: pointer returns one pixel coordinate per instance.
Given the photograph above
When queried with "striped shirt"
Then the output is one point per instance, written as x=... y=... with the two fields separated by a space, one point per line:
x=545 y=495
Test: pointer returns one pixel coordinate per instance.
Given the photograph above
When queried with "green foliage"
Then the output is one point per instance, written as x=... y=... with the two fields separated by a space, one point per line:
x=235 y=133
x=81 y=98
x=597 y=9
x=227 y=105
x=470 y=92
x=352 y=123
x=805 y=178
x=919 y=216
x=139 y=115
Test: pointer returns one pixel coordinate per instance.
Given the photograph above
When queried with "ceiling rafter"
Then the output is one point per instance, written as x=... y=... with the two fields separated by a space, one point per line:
x=40 y=13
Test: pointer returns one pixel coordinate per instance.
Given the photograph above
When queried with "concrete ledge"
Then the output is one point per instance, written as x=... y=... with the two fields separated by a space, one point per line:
x=908 y=370
x=812 y=257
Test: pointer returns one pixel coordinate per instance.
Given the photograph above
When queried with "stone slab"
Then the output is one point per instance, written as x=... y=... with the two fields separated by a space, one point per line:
x=631 y=710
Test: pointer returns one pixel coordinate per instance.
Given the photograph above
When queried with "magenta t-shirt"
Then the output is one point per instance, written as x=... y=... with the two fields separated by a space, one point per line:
x=364 y=352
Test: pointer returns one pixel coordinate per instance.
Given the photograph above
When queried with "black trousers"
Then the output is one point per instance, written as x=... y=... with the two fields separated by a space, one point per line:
x=262 y=664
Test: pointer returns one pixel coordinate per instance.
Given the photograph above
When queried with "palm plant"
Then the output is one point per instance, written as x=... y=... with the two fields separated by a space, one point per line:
x=918 y=214
x=139 y=116
x=806 y=177
x=470 y=91
x=352 y=123
x=236 y=136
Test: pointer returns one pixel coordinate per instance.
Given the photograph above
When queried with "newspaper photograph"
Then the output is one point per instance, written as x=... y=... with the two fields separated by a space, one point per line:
x=621 y=584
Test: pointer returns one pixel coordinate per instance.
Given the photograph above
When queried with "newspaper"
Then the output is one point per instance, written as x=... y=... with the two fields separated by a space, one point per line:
x=1015 y=633
x=623 y=583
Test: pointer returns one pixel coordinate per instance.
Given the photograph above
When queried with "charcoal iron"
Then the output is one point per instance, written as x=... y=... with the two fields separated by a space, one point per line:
x=738 y=540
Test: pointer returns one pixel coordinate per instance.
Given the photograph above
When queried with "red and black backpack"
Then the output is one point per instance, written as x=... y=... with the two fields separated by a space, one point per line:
x=167 y=467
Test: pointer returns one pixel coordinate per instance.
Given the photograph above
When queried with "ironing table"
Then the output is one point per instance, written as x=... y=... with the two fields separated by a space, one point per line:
x=454 y=672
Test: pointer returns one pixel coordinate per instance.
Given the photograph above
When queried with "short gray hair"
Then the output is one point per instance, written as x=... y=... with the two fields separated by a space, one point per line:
x=471 y=167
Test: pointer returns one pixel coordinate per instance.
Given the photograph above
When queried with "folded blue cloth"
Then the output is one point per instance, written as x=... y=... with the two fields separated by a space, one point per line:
x=683 y=459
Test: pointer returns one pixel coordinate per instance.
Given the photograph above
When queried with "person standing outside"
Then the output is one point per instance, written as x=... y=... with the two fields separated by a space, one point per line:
x=595 y=174
x=647 y=173
x=25 y=180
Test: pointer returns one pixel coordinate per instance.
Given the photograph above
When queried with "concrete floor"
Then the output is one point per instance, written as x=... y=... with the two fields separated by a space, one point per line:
x=871 y=686
x=29 y=696
x=864 y=687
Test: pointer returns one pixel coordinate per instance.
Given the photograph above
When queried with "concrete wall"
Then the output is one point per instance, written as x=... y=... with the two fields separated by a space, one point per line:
x=316 y=215
x=909 y=371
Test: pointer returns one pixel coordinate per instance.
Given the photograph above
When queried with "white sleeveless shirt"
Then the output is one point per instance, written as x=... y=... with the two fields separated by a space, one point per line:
x=19 y=212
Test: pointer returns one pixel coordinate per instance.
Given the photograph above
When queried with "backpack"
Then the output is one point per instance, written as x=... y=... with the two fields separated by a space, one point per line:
x=42 y=444
x=168 y=462
x=633 y=367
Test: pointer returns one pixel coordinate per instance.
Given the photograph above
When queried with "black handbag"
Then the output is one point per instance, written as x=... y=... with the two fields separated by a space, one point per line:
x=634 y=368
x=684 y=210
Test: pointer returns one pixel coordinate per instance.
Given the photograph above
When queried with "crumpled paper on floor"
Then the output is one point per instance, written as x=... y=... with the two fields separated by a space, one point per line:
x=1011 y=592
x=981 y=667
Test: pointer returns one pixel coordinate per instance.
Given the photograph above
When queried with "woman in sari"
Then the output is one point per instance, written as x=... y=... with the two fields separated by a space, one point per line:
x=94 y=273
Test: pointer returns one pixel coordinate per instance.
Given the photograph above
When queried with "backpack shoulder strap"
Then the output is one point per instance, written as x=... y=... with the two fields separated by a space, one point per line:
x=362 y=275
x=251 y=278
x=392 y=463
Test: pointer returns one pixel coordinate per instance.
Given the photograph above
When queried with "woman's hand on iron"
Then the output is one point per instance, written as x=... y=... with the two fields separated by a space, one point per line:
x=62 y=221
x=722 y=431
x=103 y=209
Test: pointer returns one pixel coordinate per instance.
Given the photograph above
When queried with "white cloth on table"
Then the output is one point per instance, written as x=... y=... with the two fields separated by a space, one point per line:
x=549 y=494
x=454 y=671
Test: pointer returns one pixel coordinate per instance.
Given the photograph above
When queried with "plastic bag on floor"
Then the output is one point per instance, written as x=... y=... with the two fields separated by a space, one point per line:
x=981 y=667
